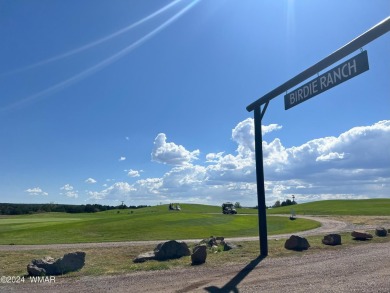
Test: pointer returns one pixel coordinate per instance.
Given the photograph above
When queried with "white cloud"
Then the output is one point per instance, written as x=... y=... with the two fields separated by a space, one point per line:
x=171 y=153
x=36 y=191
x=69 y=191
x=117 y=191
x=122 y=159
x=355 y=164
x=244 y=135
x=133 y=173
x=330 y=156
x=90 y=181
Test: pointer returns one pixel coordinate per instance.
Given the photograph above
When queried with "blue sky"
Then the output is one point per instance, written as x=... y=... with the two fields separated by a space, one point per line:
x=145 y=102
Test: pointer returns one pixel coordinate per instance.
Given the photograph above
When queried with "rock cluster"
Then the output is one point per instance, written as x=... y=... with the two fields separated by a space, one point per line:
x=215 y=242
x=49 y=266
x=173 y=249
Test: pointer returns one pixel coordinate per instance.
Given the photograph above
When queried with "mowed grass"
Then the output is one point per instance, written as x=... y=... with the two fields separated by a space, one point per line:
x=154 y=223
x=362 y=207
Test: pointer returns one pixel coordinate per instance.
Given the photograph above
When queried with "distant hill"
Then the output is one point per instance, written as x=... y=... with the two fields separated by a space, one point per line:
x=368 y=207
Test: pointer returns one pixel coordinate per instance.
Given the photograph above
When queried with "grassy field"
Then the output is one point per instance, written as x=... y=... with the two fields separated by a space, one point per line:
x=157 y=223
x=362 y=207
x=153 y=223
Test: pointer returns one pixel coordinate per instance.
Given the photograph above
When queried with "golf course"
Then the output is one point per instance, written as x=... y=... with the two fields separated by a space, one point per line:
x=150 y=223
x=112 y=239
x=194 y=221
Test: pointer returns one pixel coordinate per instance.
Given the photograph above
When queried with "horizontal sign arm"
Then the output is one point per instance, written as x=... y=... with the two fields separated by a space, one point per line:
x=362 y=40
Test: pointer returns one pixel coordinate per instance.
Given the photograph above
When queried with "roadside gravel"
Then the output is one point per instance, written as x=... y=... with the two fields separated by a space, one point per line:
x=360 y=268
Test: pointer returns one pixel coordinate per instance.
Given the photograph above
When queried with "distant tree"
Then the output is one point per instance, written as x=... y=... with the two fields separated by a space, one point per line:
x=237 y=205
x=276 y=204
x=89 y=208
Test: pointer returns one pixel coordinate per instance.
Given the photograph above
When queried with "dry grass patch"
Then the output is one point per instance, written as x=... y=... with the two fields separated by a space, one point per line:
x=119 y=260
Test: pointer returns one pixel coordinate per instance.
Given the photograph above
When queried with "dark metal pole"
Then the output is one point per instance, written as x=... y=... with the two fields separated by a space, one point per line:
x=261 y=207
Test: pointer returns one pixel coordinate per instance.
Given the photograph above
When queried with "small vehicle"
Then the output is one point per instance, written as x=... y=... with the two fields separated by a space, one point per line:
x=228 y=208
x=172 y=207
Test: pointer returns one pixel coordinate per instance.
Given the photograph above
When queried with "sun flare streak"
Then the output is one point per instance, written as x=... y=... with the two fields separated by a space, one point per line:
x=100 y=65
x=94 y=43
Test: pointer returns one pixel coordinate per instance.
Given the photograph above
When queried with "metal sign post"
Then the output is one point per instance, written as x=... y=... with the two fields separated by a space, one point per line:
x=362 y=40
x=261 y=206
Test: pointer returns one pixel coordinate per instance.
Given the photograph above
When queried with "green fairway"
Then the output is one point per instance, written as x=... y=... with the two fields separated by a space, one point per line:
x=153 y=223
x=157 y=223
x=362 y=207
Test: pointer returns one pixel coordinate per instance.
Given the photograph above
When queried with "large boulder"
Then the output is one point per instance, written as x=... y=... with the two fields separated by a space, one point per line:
x=361 y=235
x=199 y=254
x=381 y=232
x=171 y=250
x=49 y=266
x=71 y=262
x=332 y=239
x=296 y=243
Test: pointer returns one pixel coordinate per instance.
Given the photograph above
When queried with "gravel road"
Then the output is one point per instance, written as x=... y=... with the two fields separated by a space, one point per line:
x=360 y=268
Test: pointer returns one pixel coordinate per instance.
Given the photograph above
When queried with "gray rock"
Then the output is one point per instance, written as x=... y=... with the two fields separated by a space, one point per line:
x=296 y=243
x=228 y=246
x=381 y=232
x=332 y=239
x=33 y=270
x=71 y=262
x=49 y=266
x=144 y=257
x=171 y=250
x=46 y=265
x=199 y=254
x=361 y=235
x=220 y=238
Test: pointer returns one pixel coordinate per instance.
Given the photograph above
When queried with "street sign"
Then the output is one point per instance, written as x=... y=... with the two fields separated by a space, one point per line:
x=329 y=79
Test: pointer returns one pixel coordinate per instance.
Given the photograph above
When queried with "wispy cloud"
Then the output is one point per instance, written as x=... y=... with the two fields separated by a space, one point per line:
x=69 y=191
x=97 y=42
x=36 y=191
x=100 y=65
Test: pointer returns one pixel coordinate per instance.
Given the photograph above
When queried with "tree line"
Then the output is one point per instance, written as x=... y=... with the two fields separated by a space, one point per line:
x=287 y=202
x=21 y=209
